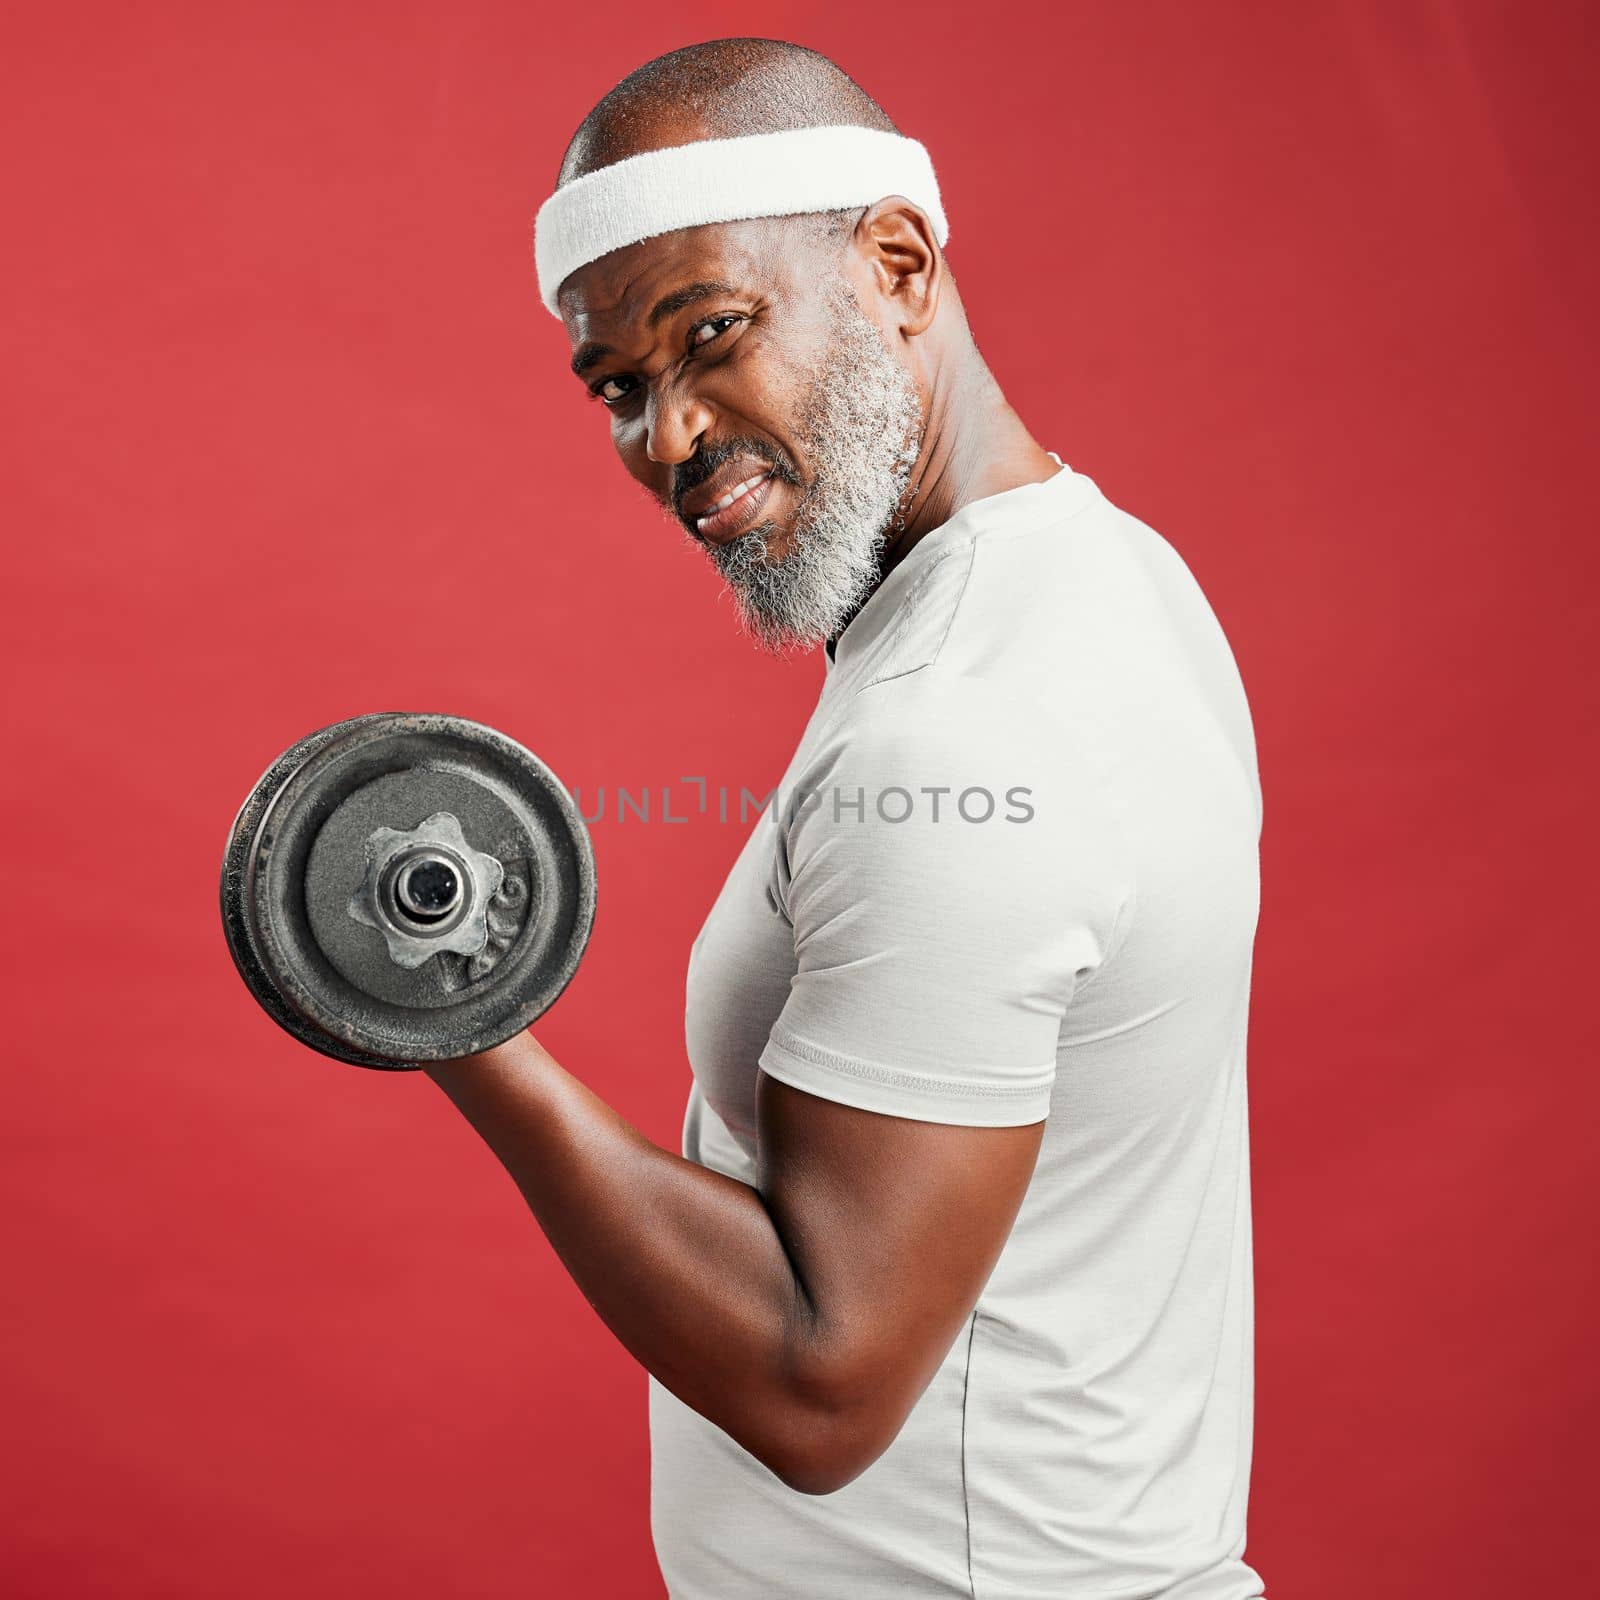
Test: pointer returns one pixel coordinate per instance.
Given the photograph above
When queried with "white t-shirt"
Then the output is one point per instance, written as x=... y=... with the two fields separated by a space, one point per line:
x=1011 y=874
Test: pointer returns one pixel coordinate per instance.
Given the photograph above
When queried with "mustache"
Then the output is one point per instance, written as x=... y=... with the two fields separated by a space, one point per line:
x=710 y=459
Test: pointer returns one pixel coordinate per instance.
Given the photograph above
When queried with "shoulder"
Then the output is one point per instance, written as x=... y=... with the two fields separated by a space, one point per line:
x=931 y=722
x=952 y=773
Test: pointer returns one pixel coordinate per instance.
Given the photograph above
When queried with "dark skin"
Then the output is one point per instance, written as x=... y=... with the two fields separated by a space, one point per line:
x=805 y=1314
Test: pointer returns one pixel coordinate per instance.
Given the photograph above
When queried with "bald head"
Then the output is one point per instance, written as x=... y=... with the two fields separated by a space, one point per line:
x=722 y=89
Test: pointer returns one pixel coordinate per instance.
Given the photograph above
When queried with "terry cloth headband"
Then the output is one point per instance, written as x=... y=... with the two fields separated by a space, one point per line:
x=724 y=180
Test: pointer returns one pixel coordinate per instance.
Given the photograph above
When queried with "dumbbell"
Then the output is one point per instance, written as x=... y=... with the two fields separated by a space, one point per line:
x=403 y=887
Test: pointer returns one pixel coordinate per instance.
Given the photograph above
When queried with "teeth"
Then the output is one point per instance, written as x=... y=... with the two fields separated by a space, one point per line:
x=737 y=492
x=734 y=493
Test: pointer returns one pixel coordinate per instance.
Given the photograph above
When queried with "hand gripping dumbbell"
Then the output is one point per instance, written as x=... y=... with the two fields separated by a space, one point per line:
x=401 y=888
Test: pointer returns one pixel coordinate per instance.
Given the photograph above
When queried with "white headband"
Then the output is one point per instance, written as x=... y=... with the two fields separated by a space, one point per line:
x=724 y=180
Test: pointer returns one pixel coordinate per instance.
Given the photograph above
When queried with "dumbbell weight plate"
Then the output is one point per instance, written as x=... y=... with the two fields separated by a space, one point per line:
x=402 y=888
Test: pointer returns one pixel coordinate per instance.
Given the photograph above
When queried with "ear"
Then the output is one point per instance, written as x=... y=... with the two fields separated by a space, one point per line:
x=905 y=261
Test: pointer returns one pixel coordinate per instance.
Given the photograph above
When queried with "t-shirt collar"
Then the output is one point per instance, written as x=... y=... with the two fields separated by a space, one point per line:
x=883 y=600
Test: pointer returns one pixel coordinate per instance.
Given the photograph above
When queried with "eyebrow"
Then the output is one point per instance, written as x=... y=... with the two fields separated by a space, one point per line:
x=669 y=305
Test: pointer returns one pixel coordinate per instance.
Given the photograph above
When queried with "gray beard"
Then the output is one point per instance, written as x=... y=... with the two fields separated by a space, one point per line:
x=862 y=427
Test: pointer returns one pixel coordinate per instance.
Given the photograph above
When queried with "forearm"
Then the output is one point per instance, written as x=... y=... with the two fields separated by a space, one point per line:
x=686 y=1266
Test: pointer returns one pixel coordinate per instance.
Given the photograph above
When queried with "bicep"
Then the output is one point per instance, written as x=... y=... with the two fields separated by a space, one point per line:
x=892 y=1226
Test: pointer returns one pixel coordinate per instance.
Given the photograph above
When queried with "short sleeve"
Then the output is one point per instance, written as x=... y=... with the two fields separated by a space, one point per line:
x=952 y=878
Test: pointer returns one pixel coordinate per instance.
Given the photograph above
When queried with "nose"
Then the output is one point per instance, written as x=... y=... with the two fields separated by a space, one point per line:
x=675 y=421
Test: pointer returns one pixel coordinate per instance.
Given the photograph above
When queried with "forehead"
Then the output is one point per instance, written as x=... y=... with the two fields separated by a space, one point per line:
x=613 y=299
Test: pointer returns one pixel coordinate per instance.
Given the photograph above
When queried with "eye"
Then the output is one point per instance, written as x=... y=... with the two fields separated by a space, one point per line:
x=707 y=332
x=606 y=389
x=613 y=391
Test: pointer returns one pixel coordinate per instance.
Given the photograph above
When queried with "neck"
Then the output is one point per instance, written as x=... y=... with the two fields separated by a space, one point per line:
x=974 y=445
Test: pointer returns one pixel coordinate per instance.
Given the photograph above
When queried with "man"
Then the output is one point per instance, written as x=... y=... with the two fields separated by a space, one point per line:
x=950 y=1292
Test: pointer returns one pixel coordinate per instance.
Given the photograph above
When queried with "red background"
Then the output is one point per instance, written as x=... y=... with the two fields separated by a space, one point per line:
x=1307 y=287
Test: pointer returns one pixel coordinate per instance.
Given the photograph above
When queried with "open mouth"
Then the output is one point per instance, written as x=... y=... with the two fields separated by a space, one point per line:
x=736 y=509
